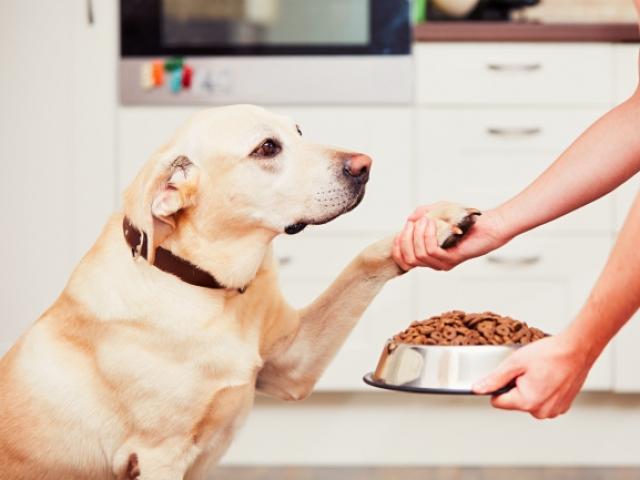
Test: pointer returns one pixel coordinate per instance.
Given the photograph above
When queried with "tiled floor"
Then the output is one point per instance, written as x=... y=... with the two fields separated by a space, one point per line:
x=427 y=474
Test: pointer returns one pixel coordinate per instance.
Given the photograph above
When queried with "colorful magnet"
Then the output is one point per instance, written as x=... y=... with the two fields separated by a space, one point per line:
x=173 y=63
x=187 y=76
x=146 y=76
x=157 y=69
x=175 y=80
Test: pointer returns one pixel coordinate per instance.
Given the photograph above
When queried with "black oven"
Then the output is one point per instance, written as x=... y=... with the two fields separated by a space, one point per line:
x=265 y=51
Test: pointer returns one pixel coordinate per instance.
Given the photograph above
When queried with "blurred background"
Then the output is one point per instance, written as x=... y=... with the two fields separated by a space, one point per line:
x=465 y=100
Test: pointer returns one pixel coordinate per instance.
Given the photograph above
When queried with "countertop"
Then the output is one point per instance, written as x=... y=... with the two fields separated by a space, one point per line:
x=525 y=32
x=425 y=473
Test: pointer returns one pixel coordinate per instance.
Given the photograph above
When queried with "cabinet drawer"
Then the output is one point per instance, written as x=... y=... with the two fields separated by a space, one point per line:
x=492 y=73
x=484 y=157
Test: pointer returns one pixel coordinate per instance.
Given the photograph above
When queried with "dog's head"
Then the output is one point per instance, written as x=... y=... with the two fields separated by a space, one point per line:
x=242 y=167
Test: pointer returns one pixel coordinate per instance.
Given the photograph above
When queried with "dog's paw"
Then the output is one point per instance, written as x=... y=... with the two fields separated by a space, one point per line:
x=452 y=222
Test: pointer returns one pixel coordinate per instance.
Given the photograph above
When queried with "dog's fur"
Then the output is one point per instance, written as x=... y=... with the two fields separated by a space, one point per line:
x=133 y=373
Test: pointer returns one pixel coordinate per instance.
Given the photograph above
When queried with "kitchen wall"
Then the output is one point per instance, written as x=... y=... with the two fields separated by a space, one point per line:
x=583 y=11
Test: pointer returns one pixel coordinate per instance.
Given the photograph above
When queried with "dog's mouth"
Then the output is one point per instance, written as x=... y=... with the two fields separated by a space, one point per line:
x=302 y=224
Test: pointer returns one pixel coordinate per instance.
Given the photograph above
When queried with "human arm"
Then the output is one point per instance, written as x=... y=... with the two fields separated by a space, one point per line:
x=549 y=373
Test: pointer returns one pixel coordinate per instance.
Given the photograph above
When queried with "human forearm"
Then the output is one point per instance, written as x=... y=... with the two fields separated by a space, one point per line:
x=602 y=158
x=616 y=295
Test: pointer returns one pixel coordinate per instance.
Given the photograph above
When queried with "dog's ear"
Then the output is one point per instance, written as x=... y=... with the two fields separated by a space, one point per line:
x=155 y=199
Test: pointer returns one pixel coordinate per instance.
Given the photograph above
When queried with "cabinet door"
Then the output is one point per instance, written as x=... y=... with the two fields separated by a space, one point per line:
x=57 y=132
x=309 y=263
x=483 y=157
x=94 y=108
x=538 y=278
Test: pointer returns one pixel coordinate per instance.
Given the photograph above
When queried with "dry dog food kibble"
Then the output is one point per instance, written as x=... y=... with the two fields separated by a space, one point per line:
x=460 y=328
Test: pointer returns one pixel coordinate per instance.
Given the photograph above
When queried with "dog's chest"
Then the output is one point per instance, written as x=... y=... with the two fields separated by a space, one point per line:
x=169 y=384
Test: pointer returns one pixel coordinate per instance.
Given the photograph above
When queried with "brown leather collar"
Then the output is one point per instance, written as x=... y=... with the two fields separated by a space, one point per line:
x=167 y=261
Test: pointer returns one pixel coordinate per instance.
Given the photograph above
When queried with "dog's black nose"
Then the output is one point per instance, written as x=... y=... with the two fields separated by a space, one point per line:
x=358 y=166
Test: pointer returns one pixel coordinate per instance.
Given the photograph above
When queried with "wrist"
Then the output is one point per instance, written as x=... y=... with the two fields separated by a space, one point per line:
x=510 y=222
x=583 y=341
x=499 y=226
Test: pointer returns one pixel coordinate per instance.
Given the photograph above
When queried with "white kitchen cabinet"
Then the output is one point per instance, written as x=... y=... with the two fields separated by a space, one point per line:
x=57 y=137
x=492 y=117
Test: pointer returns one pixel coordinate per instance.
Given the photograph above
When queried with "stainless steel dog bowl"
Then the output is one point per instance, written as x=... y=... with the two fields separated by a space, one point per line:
x=436 y=369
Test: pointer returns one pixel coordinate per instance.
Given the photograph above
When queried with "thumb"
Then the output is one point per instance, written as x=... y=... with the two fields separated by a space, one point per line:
x=500 y=377
x=418 y=213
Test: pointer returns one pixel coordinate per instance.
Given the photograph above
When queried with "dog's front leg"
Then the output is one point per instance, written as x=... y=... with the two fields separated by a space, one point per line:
x=323 y=326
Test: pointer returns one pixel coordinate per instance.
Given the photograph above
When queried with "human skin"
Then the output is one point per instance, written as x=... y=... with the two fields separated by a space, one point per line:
x=549 y=373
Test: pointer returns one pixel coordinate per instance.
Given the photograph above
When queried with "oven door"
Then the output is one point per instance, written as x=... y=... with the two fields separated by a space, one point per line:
x=265 y=51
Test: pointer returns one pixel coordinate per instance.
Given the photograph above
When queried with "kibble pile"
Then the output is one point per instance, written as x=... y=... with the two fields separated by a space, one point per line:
x=460 y=328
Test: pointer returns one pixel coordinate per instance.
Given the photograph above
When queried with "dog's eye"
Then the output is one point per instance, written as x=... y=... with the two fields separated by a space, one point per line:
x=299 y=130
x=269 y=148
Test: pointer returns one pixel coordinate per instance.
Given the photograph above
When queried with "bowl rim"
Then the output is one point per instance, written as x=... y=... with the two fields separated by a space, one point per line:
x=510 y=346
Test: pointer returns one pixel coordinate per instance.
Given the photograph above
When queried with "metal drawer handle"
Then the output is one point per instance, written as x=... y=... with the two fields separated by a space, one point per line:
x=515 y=262
x=515 y=68
x=284 y=261
x=90 y=15
x=514 y=132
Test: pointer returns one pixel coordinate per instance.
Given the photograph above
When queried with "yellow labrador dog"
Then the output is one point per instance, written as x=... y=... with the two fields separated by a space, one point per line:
x=150 y=359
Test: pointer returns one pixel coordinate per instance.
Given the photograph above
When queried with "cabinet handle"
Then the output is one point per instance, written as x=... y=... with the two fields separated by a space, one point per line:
x=514 y=262
x=284 y=261
x=514 y=132
x=514 y=68
x=90 y=15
